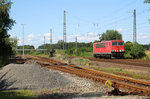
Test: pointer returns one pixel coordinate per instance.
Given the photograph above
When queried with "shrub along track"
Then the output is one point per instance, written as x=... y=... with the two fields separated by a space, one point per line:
x=137 y=86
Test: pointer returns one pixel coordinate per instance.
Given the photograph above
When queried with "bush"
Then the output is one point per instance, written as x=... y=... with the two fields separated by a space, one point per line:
x=128 y=45
x=137 y=51
x=71 y=51
x=83 y=51
x=127 y=55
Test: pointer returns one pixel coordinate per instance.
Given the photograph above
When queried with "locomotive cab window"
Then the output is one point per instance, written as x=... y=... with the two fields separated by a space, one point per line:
x=117 y=43
x=114 y=43
x=100 y=45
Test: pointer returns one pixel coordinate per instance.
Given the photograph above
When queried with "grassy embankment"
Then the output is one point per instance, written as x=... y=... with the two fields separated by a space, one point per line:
x=147 y=52
x=17 y=94
x=119 y=71
x=60 y=55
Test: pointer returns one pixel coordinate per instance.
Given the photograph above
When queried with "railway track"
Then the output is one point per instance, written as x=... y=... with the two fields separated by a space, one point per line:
x=137 y=86
x=135 y=62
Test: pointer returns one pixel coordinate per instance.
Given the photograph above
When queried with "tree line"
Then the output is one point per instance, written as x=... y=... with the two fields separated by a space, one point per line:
x=8 y=45
x=132 y=50
x=6 y=24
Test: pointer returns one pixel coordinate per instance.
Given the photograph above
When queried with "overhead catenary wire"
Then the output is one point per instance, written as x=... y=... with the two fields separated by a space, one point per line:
x=113 y=23
x=119 y=10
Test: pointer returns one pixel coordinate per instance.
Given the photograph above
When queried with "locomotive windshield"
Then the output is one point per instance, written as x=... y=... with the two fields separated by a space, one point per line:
x=117 y=43
x=120 y=43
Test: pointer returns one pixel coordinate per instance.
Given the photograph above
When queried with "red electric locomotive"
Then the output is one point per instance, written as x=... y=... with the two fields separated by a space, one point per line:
x=112 y=48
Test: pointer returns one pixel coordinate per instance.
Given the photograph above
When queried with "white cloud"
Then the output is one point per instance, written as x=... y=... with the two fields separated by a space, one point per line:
x=142 y=36
x=89 y=37
x=145 y=30
x=122 y=30
x=30 y=36
x=91 y=34
x=47 y=34
x=37 y=40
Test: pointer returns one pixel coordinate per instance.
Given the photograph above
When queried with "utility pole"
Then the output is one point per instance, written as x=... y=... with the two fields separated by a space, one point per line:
x=50 y=36
x=134 y=26
x=64 y=31
x=23 y=39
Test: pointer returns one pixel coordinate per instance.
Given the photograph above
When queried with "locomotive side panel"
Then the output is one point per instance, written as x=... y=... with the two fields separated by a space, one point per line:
x=113 y=48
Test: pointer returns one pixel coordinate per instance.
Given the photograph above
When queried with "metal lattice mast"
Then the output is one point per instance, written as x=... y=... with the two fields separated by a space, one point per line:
x=134 y=26
x=64 y=31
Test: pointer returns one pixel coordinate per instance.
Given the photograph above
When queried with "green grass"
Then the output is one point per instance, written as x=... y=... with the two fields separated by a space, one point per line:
x=86 y=54
x=60 y=54
x=119 y=71
x=80 y=61
x=147 y=57
x=17 y=94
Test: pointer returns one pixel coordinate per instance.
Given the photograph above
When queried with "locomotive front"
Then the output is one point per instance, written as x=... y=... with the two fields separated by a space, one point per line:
x=117 y=48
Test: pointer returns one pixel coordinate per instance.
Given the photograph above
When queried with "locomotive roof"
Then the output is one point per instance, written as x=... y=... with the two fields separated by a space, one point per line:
x=109 y=41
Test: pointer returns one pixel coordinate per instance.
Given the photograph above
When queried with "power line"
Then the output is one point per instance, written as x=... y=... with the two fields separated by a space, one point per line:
x=125 y=18
x=118 y=11
x=140 y=13
x=114 y=21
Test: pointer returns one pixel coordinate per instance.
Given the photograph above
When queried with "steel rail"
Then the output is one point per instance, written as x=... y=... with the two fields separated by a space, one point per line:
x=98 y=73
x=92 y=74
x=81 y=73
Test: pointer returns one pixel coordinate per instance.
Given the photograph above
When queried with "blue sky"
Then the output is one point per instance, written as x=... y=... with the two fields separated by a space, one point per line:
x=84 y=19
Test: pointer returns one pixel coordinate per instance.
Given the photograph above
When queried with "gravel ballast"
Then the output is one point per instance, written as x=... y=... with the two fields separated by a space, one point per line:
x=52 y=84
x=30 y=76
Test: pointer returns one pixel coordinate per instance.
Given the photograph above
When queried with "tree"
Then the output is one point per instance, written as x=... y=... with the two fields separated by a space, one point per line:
x=13 y=42
x=147 y=1
x=111 y=35
x=6 y=24
x=26 y=47
x=60 y=44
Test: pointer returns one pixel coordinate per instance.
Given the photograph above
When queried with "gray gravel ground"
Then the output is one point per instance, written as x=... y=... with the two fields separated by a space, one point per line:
x=51 y=84
x=30 y=76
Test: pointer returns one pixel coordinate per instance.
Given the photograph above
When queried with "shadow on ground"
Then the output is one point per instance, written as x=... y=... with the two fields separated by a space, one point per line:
x=11 y=93
x=4 y=85
x=70 y=95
